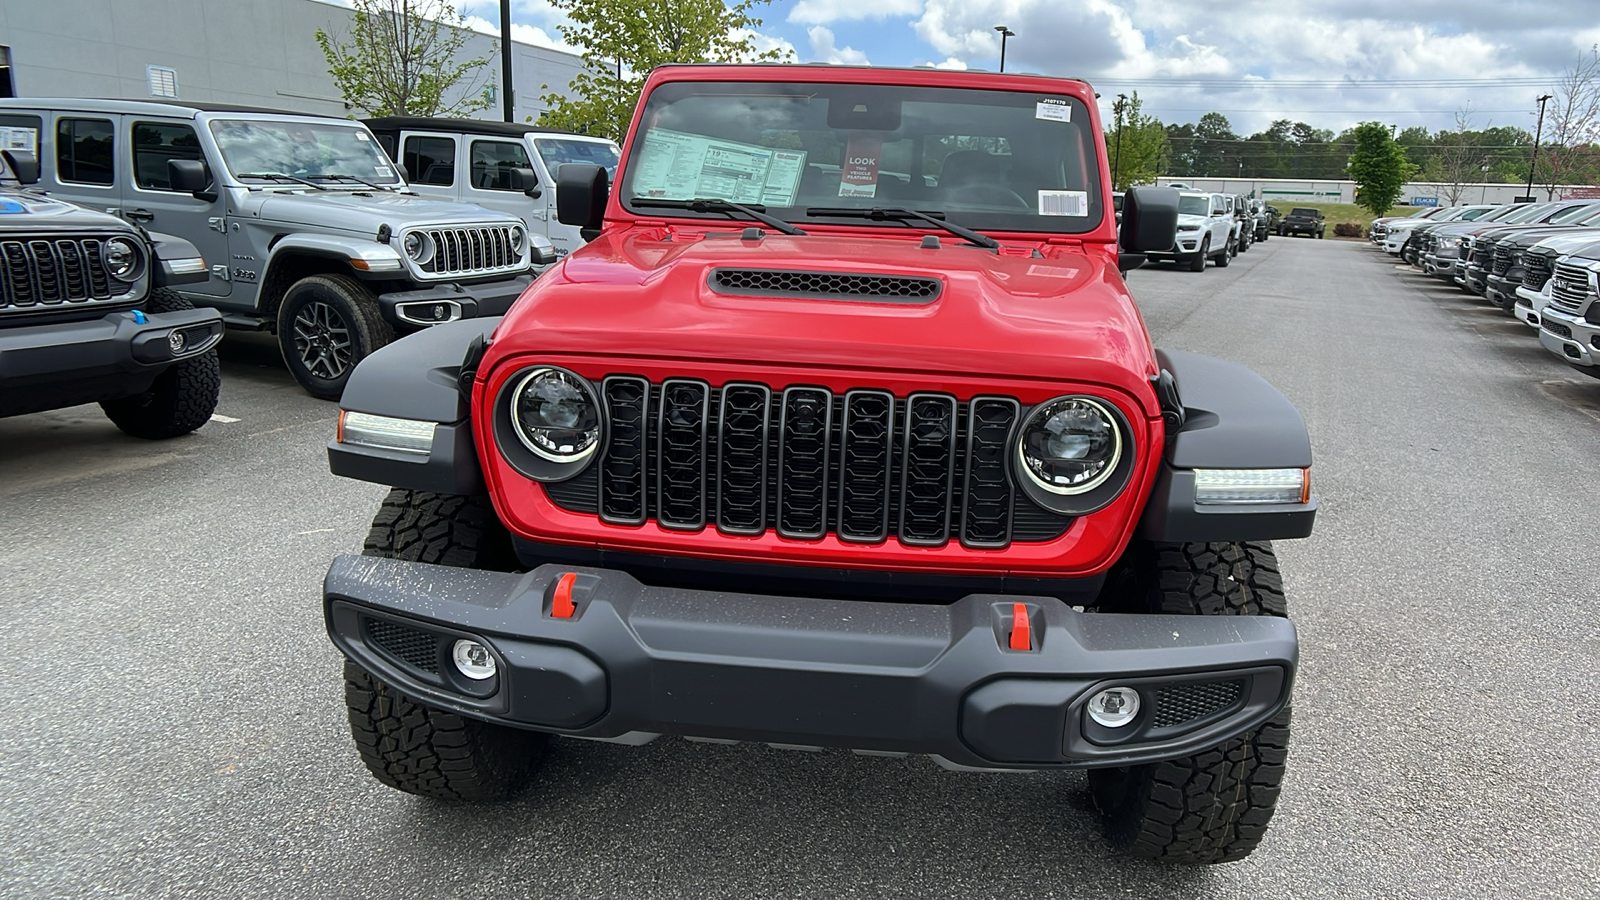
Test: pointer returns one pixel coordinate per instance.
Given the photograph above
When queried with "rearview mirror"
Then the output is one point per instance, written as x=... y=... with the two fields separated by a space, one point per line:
x=526 y=181
x=189 y=176
x=24 y=166
x=582 y=190
x=1149 y=223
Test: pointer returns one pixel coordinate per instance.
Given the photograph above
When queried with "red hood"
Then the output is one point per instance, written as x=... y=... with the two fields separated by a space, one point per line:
x=1061 y=315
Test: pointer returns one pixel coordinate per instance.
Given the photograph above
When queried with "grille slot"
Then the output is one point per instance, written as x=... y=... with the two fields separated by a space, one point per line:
x=414 y=647
x=824 y=285
x=1182 y=703
x=1571 y=288
x=1502 y=260
x=1536 y=271
x=472 y=250
x=681 y=454
x=862 y=465
x=39 y=273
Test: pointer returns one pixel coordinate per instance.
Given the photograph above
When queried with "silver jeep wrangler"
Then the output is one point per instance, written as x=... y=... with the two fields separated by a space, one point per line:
x=310 y=230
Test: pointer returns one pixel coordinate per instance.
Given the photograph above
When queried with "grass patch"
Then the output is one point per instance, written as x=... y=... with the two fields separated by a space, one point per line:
x=1343 y=212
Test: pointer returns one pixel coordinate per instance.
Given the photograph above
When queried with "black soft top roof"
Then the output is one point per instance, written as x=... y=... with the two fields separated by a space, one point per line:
x=459 y=126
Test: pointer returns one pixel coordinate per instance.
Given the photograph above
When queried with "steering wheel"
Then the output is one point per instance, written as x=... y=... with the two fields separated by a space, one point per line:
x=988 y=195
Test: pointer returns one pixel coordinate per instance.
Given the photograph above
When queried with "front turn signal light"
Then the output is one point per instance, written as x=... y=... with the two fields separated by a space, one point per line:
x=1229 y=487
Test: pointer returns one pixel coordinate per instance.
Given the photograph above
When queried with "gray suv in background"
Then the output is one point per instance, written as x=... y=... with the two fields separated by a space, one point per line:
x=310 y=230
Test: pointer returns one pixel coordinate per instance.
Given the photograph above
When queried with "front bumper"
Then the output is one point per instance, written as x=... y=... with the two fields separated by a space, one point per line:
x=1571 y=338
x=1475 y=279
x=1442 y=266
x=1499 y=288
x=443 y=303
x=49 y=366
x=634 y=661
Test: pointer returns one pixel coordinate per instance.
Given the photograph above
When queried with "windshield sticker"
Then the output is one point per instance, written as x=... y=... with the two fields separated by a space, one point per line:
x=1053 y=109
x=362 y=136
x=677 y=166
x=1063 y=203
x=384 y=171
x=859 y=178
x=16 y=138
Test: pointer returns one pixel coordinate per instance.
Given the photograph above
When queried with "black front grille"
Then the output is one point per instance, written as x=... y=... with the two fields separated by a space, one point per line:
x=1556 y=328
x=1482 y=253
x=1501 y=264
x=1536 y=270
x=415 y=648
x=824 y=285
x=41 y=274
x=806 y=462
x=1182 y=703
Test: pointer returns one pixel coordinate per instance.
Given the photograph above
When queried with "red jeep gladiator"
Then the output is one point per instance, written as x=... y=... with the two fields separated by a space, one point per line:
x=841 y=431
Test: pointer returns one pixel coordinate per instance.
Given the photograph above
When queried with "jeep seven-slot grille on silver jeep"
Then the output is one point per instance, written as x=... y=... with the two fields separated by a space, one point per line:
x=1570 y=287
x=37 y=274
x=474 y=250
x=824 y=285
x=863 y=465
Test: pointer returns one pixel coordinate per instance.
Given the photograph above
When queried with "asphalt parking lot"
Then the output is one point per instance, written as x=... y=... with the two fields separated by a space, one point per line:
x=173 y=723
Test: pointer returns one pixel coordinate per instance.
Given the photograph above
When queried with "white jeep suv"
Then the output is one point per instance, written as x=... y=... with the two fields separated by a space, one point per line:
x=1205 y=229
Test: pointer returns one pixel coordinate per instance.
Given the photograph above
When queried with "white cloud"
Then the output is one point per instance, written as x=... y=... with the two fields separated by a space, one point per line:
x=826 y=12
x=763 y=42
x=823 y=49
x=951 y=63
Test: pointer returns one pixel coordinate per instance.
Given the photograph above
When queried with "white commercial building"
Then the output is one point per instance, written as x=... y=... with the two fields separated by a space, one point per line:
x=246 y=52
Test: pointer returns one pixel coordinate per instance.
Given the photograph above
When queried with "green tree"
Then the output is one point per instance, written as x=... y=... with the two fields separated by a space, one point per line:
x=622 y=40
x=1378 y=166
x=1137 y=142
x=402 y=58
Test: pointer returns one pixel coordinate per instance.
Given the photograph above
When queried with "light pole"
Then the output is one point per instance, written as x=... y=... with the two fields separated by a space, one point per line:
x=1004 y=33
x=505 y=60
x=1116 y=160
x=1535 y=158
x=1483 y=194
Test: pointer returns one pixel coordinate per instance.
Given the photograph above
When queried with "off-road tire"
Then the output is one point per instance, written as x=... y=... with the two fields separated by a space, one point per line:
x=358 y=316
x=1198 y=264
x=421 y=749
x=181 y=399
x=1214 y=806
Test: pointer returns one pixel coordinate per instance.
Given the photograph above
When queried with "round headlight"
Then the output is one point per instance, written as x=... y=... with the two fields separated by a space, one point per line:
x=1070 y=445
x=418 y=247
x=122 y=259
x=556 y=415
x=517 y=234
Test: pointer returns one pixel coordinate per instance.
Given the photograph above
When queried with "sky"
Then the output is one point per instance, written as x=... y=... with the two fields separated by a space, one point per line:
x=1331 y=64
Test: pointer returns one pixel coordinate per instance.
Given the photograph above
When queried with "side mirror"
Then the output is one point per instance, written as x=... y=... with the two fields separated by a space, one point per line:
x=1149 y=223
x=24 y=166
x=189 y=176
x=526 y=181
x=582 y=190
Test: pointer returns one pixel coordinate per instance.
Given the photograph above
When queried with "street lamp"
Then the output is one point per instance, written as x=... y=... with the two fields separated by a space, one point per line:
x=510 y=103
x=1483 y=194
x=1116 y=160
x=1535 y=159
x=1004 y=33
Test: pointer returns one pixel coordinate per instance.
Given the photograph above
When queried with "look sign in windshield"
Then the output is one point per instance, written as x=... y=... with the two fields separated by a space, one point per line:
x=988 y=159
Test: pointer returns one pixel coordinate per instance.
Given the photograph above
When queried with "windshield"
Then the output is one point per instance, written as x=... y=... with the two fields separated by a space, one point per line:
x=1527 y=213
x=1574 y=214
x=1302 y=211
x=1193 y=206
x=252 y=148
x=985 y=159
x=1471 y=214
x=557 y=151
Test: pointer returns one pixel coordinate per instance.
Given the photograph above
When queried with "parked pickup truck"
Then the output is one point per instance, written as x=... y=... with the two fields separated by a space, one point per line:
x=792 y=454
x=1303 y=220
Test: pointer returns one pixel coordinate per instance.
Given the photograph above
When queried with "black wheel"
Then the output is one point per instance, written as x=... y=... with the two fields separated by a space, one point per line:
x=1214 y=806
x=326 y=325
x=407 y=745
x=1319 y=234
x=1198 y=264
x=181 y=399
x=1226 y=256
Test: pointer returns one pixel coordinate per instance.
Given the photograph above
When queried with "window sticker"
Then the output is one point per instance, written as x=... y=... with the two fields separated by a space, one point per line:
x=362 y=136
x=1053 y=109
x=383 y=171
x=1063 y=203
x=677 y=166
x=859 y=177
x=15 y=138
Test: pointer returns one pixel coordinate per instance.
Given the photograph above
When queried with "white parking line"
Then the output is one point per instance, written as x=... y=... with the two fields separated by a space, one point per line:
x=226 y=420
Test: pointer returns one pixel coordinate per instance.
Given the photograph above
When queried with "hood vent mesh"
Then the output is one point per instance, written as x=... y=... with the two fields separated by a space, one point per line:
x=825 y=285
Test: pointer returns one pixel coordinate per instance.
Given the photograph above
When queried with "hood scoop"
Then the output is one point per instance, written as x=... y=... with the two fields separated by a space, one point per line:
x=849 y=286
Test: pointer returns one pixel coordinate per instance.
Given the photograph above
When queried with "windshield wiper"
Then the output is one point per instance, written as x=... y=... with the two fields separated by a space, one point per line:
x=716 y=204
x=279 y=176
x=376 y=187
x=901 y=214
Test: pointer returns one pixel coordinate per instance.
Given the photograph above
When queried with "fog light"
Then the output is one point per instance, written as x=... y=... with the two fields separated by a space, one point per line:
x=1114 y=707
x=474 y=660
x=175 y=341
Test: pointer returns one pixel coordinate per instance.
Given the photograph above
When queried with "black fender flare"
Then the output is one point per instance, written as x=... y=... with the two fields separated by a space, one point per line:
x=423 y=377
x=1232 y=419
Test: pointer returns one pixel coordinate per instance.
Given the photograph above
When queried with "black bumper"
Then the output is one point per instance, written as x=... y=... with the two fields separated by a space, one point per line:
x=449 y=302
x=881 y=677
x=61 y=364
x=1476 y=279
